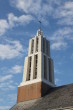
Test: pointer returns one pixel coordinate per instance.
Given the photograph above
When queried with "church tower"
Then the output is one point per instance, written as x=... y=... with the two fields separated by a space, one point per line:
x=38 y=75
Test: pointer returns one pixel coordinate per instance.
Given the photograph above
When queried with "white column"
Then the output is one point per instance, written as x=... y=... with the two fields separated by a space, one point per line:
x=39 y=43
x=39 y=68
x=32 y=68
x=34 y=44
x=30 y=44
x=25 y=69
x=42 y=66
x=47 y=69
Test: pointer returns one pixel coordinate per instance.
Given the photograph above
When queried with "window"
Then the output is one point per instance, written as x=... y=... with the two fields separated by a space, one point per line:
x=32 y=47
x=37 y=44
x=50 y=71
x=44 y=45
x=47 y=46
x=36 y=65
x=29 y=68
x=45 y=67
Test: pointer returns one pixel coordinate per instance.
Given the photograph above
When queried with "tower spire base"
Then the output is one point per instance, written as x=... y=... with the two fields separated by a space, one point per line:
x=32 y=91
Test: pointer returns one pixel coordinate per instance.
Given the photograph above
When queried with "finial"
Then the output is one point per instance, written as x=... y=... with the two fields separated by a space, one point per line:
x=40 y=24
x=39 y=32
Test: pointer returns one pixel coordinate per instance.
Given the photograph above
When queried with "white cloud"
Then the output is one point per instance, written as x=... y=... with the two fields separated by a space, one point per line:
x=36 y=8
x=4 y=107
x=66 y=21
x=11 y=100
x=65 y=10
x=10 y=50
x=14 y=20
x=60 y=37
x=6 y=81
x=28 y=6
x=57 y=71
x=12 y=97
x=15 y=69
x=64 y=13
x=59 y=45
x=56 y=81
x=7 y=84
x=3 y=26
x=62 y=33
x=5 y=78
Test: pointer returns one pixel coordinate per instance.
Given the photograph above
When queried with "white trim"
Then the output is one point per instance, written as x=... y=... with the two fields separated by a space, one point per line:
x=36 y=81
x=49 y=83
x=30 y=82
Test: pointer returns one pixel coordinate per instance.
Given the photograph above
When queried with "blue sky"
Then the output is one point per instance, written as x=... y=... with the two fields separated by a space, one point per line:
x=19 y=23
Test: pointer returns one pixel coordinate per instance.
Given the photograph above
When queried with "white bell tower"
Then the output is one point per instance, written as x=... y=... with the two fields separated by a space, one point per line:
x=38 y=75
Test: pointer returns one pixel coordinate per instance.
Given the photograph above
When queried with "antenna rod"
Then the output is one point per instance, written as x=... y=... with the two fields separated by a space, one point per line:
x=40 y=24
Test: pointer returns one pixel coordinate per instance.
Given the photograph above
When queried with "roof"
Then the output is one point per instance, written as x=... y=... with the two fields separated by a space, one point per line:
x=58 y=97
